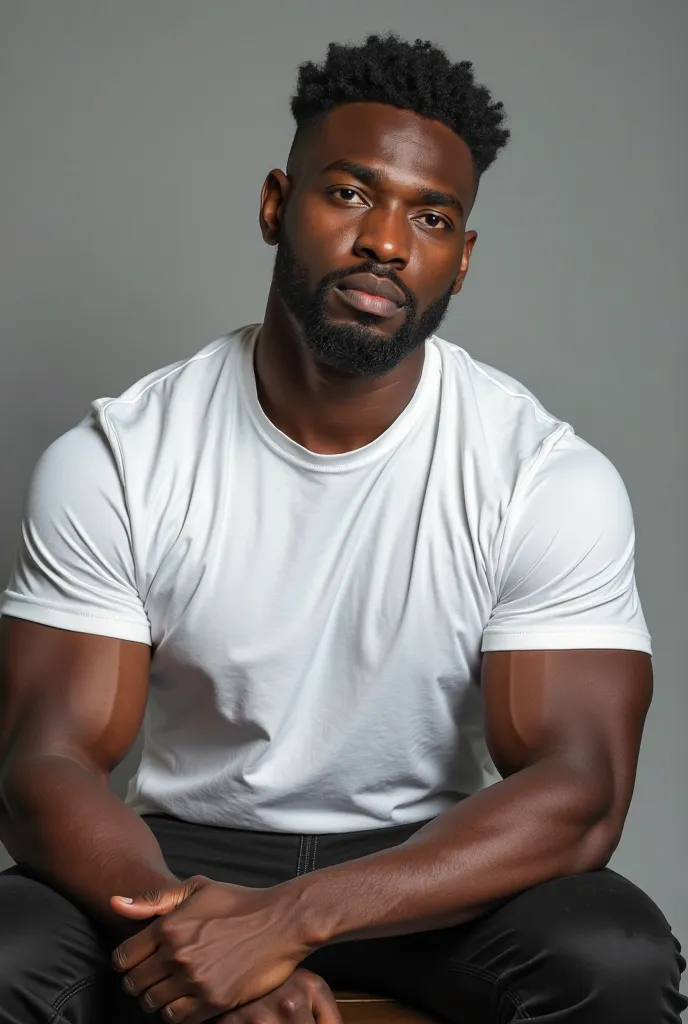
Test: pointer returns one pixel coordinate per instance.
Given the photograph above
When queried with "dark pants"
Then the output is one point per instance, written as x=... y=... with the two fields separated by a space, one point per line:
x=589 y=949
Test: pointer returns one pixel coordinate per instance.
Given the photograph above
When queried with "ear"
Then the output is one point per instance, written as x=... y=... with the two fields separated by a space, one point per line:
x=469 y=241
x=273 y=196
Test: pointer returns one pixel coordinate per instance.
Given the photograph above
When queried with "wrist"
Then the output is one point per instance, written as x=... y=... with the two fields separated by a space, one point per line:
x=315 y=926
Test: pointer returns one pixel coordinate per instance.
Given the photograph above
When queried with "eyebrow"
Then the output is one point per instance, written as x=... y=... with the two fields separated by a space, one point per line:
x=369 y=176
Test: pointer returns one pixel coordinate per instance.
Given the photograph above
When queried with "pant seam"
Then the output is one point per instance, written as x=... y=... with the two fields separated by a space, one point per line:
x=494 y=979
x=302 y=849
x=315 y=847
x=56 y=1016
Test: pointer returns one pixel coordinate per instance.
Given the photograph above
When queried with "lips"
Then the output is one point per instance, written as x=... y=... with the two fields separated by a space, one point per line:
x=370 y=294
x=372 y=285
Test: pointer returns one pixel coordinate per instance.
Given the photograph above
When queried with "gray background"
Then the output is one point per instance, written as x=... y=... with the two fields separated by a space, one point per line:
x=136 y=135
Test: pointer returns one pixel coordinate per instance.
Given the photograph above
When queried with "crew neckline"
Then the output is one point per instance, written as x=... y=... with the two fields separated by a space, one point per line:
x=325 y=463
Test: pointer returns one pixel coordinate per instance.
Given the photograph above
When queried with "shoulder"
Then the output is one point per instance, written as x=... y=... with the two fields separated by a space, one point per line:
x=578 y=484
x=494 y=391
x=81 y=459
x=169 y=409
x=497 y=417
x=186 y=379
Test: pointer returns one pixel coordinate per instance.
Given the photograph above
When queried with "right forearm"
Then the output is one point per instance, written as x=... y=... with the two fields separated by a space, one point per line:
x=64 y=823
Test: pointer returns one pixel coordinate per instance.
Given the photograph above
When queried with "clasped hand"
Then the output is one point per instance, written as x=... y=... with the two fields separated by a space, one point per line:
x=212 y=948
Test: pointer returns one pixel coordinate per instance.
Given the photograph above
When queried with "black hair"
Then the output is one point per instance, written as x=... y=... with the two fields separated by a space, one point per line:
x=413 y=76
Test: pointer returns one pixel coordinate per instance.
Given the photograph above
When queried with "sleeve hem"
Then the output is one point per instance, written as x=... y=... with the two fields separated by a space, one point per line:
x=76 y=622
x=591 y=638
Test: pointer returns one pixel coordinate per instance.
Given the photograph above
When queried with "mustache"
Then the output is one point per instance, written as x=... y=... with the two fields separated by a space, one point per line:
x=332 y=279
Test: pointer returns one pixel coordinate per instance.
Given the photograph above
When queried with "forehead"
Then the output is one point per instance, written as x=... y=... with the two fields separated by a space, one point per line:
x=408 y=149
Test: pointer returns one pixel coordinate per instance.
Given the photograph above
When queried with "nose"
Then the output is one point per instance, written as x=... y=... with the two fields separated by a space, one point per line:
x=383 y=238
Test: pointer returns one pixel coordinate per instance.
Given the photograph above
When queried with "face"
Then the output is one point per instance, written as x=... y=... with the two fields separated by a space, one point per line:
x=370 y=232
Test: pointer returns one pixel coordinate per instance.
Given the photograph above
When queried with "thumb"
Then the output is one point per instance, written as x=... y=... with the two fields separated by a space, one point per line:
x=153 y=902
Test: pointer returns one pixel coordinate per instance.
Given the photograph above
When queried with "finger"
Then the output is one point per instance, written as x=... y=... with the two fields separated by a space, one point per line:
x=124 y=905
x=168 y=992
x=151 y=972
x=135 y=950
x=325 y=1008
x=152 y=902
x=183 y=1010
x=304 y=1014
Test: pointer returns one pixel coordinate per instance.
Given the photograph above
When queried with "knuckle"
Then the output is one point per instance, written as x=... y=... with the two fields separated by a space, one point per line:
x=209 y=995
x=168 y=930
x=130 y=985
x=119 y=960
x=151 y=895
x=148 y=1003
x=315 y=984
x=290 y=1004
x=193 y=972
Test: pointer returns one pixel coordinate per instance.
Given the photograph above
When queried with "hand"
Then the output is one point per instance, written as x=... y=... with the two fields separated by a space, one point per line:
x=304 y=998
x=214 y=947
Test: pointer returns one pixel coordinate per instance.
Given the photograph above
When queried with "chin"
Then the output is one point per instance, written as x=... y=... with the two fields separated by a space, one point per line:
x=363 y=325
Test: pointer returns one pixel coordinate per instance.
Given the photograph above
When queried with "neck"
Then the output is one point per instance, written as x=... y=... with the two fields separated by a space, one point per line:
x=323 y=410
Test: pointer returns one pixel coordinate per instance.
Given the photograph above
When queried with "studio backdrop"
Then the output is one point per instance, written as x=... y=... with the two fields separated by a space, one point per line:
x=134 y=139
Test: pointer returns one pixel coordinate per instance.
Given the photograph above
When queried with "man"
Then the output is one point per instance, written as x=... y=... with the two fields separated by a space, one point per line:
x=345 y=570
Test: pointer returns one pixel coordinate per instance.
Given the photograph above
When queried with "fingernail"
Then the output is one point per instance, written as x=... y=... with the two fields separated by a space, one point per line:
x=124 y=899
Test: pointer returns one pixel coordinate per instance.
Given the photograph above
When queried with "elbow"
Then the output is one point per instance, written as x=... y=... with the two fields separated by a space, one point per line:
x=600 y=839
x=596 y=848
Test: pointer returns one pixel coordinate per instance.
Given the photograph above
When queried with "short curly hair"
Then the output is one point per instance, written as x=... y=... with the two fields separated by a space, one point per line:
x=413 y=76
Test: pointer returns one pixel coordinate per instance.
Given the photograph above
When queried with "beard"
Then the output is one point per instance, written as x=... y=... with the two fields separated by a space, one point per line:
x=357 y=348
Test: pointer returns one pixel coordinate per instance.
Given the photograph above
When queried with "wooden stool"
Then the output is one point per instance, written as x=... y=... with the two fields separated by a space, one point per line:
x=363 y=1008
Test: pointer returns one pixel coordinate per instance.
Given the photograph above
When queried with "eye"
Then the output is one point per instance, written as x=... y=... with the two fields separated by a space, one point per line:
x=435 y=222
x=346 y=194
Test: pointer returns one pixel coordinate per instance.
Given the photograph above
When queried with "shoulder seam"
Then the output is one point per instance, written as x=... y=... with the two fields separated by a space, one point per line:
x=542 y=413
x=159 y=380
x=517 y=394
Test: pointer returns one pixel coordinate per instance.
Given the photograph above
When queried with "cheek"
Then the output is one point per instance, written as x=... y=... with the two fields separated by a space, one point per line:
x=321 y=233
x=431 y=272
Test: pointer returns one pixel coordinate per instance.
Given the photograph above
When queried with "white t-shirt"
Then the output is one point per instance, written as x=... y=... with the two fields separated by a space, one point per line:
x=317 y=621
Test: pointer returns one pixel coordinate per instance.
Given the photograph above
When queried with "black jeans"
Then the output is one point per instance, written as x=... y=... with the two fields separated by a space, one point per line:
x=588 y=949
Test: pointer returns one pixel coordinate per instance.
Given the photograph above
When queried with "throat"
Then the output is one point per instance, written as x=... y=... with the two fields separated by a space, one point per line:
x=329 y=414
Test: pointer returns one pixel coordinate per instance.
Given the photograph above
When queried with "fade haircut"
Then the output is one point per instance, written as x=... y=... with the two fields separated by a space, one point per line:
x=412 y=76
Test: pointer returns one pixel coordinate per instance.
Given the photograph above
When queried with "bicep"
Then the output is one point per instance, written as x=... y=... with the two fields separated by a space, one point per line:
x=69 y=694
x=74 y=633
x=587 y=706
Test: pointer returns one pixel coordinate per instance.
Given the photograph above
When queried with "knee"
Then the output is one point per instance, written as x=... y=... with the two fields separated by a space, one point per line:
x=33 y=919
x=605 y=939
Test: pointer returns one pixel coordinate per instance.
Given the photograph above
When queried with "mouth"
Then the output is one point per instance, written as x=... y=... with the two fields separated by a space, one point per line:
x=371 y=294
x=367 y=303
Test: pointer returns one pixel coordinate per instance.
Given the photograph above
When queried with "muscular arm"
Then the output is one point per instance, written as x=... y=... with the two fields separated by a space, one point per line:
x=72 y=704
x=564 y=729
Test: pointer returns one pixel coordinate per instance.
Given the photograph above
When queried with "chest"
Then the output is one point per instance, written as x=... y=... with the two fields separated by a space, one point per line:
x=261 y=565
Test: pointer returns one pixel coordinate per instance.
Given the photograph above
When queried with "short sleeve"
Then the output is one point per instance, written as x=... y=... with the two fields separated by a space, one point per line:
x=565 y=568
x=74 y=568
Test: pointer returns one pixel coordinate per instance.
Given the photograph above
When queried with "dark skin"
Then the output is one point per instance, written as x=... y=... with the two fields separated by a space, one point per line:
x=389 y=221
x=563 y=727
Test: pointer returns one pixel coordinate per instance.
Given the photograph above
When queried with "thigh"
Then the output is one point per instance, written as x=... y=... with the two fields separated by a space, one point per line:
x=590 y=948
x=51 y=959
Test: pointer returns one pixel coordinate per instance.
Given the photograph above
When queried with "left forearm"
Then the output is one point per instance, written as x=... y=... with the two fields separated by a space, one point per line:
x=543 y=822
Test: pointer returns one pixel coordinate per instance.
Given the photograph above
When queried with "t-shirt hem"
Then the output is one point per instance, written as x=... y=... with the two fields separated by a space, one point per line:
x=561 y=640
x=76 y=622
